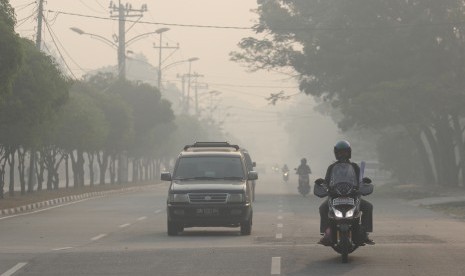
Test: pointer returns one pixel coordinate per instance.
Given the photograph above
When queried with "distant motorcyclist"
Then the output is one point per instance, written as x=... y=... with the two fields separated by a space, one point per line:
x=343 y=153
x=285 y=171
x=304 y=179
x=303 y=167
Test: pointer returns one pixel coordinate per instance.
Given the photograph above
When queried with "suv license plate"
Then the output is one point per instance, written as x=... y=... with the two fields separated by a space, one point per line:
x=207 y=212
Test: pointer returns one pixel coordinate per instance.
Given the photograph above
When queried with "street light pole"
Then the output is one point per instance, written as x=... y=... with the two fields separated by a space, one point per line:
x=160 y=32
x=123 y=12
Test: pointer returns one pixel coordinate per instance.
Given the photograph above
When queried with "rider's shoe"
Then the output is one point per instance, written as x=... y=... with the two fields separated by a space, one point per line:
x=326 y=239
x=368 y=240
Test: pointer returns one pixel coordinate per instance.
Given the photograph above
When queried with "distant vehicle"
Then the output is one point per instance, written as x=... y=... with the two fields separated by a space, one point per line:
x=210 y=187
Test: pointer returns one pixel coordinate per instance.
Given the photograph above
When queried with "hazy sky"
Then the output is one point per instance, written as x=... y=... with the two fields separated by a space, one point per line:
x=256 y=121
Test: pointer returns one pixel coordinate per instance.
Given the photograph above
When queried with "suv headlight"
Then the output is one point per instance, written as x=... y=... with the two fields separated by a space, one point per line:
x=178 y=198
x=236 y=198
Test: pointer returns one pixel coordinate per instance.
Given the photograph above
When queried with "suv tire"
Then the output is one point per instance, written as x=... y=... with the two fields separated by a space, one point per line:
x=246 y=227
x=172 y=228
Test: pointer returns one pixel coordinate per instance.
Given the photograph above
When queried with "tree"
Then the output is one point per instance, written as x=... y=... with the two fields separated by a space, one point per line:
x=38 y=91
x=10 y=49
x=371 y=60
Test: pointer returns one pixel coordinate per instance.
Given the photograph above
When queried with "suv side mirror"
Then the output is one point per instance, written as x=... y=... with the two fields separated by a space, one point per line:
x=252 y=175
x=319 y=181
x=166 y=176
x=254 y=164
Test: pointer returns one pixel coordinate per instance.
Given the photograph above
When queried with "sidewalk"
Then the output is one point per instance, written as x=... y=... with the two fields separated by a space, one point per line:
x=437 y=200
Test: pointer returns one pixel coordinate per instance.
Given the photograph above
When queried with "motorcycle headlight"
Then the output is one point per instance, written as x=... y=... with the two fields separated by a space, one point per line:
x=350 y=213
x=235 y=198
x=338 y=213
x=178 y=198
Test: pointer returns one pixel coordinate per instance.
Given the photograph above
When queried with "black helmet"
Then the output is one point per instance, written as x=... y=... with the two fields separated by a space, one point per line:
x=342 y=151
x=303 y=161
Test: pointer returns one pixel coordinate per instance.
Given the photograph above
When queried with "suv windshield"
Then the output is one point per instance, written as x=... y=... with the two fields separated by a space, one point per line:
x=209 y=167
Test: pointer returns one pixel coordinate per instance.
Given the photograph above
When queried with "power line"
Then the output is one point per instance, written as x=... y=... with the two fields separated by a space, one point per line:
x=398 y=26
x=58 y=49
x=155 y=23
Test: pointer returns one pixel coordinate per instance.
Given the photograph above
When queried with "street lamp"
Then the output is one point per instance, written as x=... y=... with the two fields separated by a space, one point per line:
x=98 y=37
x=160 y=32
x=120 y=46
x=189 y=82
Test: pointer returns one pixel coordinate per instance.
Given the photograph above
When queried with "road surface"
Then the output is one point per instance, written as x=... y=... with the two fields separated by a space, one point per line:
x=125 y=234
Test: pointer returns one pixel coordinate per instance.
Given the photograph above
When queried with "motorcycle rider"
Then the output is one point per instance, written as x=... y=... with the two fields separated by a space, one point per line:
x=285 y=169
x=343 y=153
x=303 y=167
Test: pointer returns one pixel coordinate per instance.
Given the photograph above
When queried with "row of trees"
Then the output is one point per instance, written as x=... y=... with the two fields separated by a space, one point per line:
x=99 y=125
x=392 y=68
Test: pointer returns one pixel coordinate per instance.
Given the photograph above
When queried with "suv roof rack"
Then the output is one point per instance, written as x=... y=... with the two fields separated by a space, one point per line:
x=211 y=145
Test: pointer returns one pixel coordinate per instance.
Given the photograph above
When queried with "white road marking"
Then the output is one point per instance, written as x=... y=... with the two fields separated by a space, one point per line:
x=279 y=235
x=124 y=225
x=158 y=211
x=280 y=217
x=98 y=237
x=141 y=218
x=276 y=266
x=280 y=225
x=61 y=248
x=14 y=269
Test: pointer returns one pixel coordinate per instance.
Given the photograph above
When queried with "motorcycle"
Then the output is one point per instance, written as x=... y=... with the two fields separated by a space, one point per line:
x=286 y=176
x=344 y=213
x=304 y=184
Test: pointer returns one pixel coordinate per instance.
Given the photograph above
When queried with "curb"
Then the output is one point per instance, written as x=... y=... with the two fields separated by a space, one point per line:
x=66 y=199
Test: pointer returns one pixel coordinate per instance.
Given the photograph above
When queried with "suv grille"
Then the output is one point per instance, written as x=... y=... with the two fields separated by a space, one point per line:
x=208 y=197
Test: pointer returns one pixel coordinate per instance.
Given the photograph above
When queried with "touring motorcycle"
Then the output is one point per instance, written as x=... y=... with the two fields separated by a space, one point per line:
x=344 y=209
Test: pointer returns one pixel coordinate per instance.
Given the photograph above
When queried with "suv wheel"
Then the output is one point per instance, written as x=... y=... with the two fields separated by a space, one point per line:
x=246 y=227
x=173 y=228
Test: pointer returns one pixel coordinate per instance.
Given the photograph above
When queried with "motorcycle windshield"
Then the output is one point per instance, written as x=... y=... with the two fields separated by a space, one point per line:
x=343 y=173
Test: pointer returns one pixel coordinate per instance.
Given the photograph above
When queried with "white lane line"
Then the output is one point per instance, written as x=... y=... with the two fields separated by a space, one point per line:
x=62 y=248
x=280 y=225
x=158 y=211
x=124 y=225
x=141 y=218
x=275 y=265
x=279 y=235
x=280 y=217
x=98 y=237
x=14 y=269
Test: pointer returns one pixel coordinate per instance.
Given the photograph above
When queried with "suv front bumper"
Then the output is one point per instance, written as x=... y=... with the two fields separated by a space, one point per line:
x=190 y=215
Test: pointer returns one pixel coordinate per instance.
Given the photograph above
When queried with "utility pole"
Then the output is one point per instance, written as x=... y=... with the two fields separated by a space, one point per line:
x=32 y=158
x=124 y=11
x=189 y=77
x=196 y=87
x=39 y=24
x=160 y=48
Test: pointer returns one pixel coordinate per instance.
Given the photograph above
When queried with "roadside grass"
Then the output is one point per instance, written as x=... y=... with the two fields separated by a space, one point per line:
x=38 y=196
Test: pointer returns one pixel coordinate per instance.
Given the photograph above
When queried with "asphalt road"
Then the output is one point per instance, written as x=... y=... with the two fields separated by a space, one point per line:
x=126 y=235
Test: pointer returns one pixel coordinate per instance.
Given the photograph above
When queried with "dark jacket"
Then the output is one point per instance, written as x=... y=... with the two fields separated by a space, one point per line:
x=303 y=169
